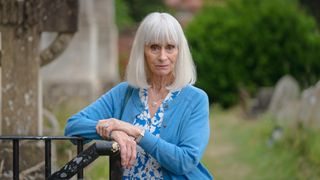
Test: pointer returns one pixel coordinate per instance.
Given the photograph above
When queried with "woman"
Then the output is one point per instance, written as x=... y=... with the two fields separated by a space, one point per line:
x=159 y=119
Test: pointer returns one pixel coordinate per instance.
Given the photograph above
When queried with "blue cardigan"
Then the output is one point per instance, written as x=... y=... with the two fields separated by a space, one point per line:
x=184 y=132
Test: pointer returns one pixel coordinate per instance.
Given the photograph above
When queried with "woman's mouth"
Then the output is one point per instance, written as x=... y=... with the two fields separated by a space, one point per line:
x=162 y=66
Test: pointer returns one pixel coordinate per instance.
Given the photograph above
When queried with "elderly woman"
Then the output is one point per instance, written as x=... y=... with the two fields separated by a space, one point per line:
x=159 y=119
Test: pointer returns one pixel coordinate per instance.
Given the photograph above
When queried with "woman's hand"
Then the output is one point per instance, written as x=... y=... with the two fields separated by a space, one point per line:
x=103 y=130
x=124 y=134
x=106 y=126
x=128 y=151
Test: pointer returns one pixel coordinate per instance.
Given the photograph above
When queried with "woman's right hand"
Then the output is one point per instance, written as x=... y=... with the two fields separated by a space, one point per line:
x=128 y=148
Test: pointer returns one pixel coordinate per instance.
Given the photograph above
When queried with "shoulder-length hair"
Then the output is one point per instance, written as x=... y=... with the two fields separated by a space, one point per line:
x=160 y=28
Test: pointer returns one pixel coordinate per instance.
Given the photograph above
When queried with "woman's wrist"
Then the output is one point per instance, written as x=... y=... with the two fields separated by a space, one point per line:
x=140 y=135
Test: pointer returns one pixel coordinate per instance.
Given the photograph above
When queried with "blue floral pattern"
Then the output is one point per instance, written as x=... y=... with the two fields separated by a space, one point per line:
x=146 y=166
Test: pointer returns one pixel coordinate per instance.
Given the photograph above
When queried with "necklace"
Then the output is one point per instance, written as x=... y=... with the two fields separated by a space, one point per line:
x=155 y=102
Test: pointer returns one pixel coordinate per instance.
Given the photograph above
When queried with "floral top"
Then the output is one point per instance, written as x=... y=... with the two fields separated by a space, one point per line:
x=146 y=166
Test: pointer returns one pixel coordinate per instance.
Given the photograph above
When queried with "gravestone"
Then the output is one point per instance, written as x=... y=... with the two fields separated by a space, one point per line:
x=307 y=102
x=316 y=109
x=284 y=103
x=310 y=110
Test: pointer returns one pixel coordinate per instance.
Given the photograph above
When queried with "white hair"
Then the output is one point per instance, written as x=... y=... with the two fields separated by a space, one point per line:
x=160 y=28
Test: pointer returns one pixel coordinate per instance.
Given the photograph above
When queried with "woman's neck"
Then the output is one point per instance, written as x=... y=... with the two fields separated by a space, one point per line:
x=157 y=92
x=159 y=84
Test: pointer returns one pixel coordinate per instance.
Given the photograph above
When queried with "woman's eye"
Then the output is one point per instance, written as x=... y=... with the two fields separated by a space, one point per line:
x=154 y=47
x=170 y=47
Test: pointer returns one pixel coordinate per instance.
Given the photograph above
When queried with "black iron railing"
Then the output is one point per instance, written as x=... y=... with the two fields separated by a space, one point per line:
x=76 y=165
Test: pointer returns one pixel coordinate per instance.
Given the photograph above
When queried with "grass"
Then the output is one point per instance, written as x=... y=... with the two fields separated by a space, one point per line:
x=238 y=150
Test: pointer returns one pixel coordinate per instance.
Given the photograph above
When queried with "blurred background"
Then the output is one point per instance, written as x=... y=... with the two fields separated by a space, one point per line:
x=258 y=61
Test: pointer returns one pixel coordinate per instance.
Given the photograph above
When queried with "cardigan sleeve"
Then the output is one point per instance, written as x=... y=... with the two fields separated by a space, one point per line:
x=183 y=157
x=84 y=123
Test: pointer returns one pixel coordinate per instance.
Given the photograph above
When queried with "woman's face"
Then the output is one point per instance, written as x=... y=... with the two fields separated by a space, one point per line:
x=161 y=58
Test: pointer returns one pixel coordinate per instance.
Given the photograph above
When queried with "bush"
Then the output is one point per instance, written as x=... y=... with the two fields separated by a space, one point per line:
x=252 y=43
x=123 y=20
x=138 y=9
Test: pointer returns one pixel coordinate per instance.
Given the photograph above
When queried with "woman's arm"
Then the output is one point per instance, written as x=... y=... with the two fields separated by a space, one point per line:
x=84 y=123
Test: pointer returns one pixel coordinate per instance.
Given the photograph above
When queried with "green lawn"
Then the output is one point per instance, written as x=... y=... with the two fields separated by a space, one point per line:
x=238 y=150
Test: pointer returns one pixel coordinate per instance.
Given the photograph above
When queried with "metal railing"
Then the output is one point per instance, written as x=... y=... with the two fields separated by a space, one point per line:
x=76 y=165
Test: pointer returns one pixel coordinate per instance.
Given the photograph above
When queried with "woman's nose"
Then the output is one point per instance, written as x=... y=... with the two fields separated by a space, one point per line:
x=163 y=54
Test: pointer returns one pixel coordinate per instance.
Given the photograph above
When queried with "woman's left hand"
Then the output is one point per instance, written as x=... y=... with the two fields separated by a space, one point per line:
x=128 y=148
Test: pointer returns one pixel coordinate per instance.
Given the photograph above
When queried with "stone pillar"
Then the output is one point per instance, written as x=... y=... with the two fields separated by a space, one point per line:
x=21 y=23
x=20 y=66
x=108 y=69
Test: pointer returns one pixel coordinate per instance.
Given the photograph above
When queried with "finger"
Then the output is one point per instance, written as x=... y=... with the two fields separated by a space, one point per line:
x=99 y=130
x=133 y=152
x=128 y=154
x=123 y=154
x=106 y=132
x=102 y=131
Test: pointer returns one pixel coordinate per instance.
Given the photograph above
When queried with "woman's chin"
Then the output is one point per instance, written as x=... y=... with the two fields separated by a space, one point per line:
x=162 y=73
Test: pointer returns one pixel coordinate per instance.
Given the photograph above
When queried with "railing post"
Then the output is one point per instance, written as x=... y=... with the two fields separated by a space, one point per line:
x=15 y=144
x=79 y=150
x=47 y=158
x=115 y=167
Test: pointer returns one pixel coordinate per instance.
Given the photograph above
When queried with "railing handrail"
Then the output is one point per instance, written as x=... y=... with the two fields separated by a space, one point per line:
x=14 y=137
x=97 y=149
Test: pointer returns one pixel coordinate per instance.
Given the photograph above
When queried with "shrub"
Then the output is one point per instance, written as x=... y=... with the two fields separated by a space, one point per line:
x=252 y=43
x=138 y=9
x=123 y=20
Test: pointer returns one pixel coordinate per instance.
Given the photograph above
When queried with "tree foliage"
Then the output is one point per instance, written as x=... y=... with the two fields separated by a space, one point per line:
x=123 y=20
x=138 y=9
x=252 y=43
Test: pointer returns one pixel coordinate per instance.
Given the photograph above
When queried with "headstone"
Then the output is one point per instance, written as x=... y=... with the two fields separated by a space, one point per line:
x=315 y=116
x=310 y=111
x=284 y=103
x=308 y=100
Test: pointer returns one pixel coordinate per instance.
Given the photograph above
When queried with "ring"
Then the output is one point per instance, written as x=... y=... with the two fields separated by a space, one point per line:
x=105 y=125
x=109 y=135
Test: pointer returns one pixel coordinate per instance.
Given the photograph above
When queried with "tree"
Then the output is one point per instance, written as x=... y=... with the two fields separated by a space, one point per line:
x=252 y=43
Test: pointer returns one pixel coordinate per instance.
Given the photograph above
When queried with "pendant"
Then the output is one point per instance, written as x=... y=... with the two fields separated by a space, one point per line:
x=154 y=104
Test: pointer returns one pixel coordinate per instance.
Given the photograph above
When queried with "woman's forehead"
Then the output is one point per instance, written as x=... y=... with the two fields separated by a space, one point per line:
x=162 y=43
x=161 y=36
x=162 y=40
